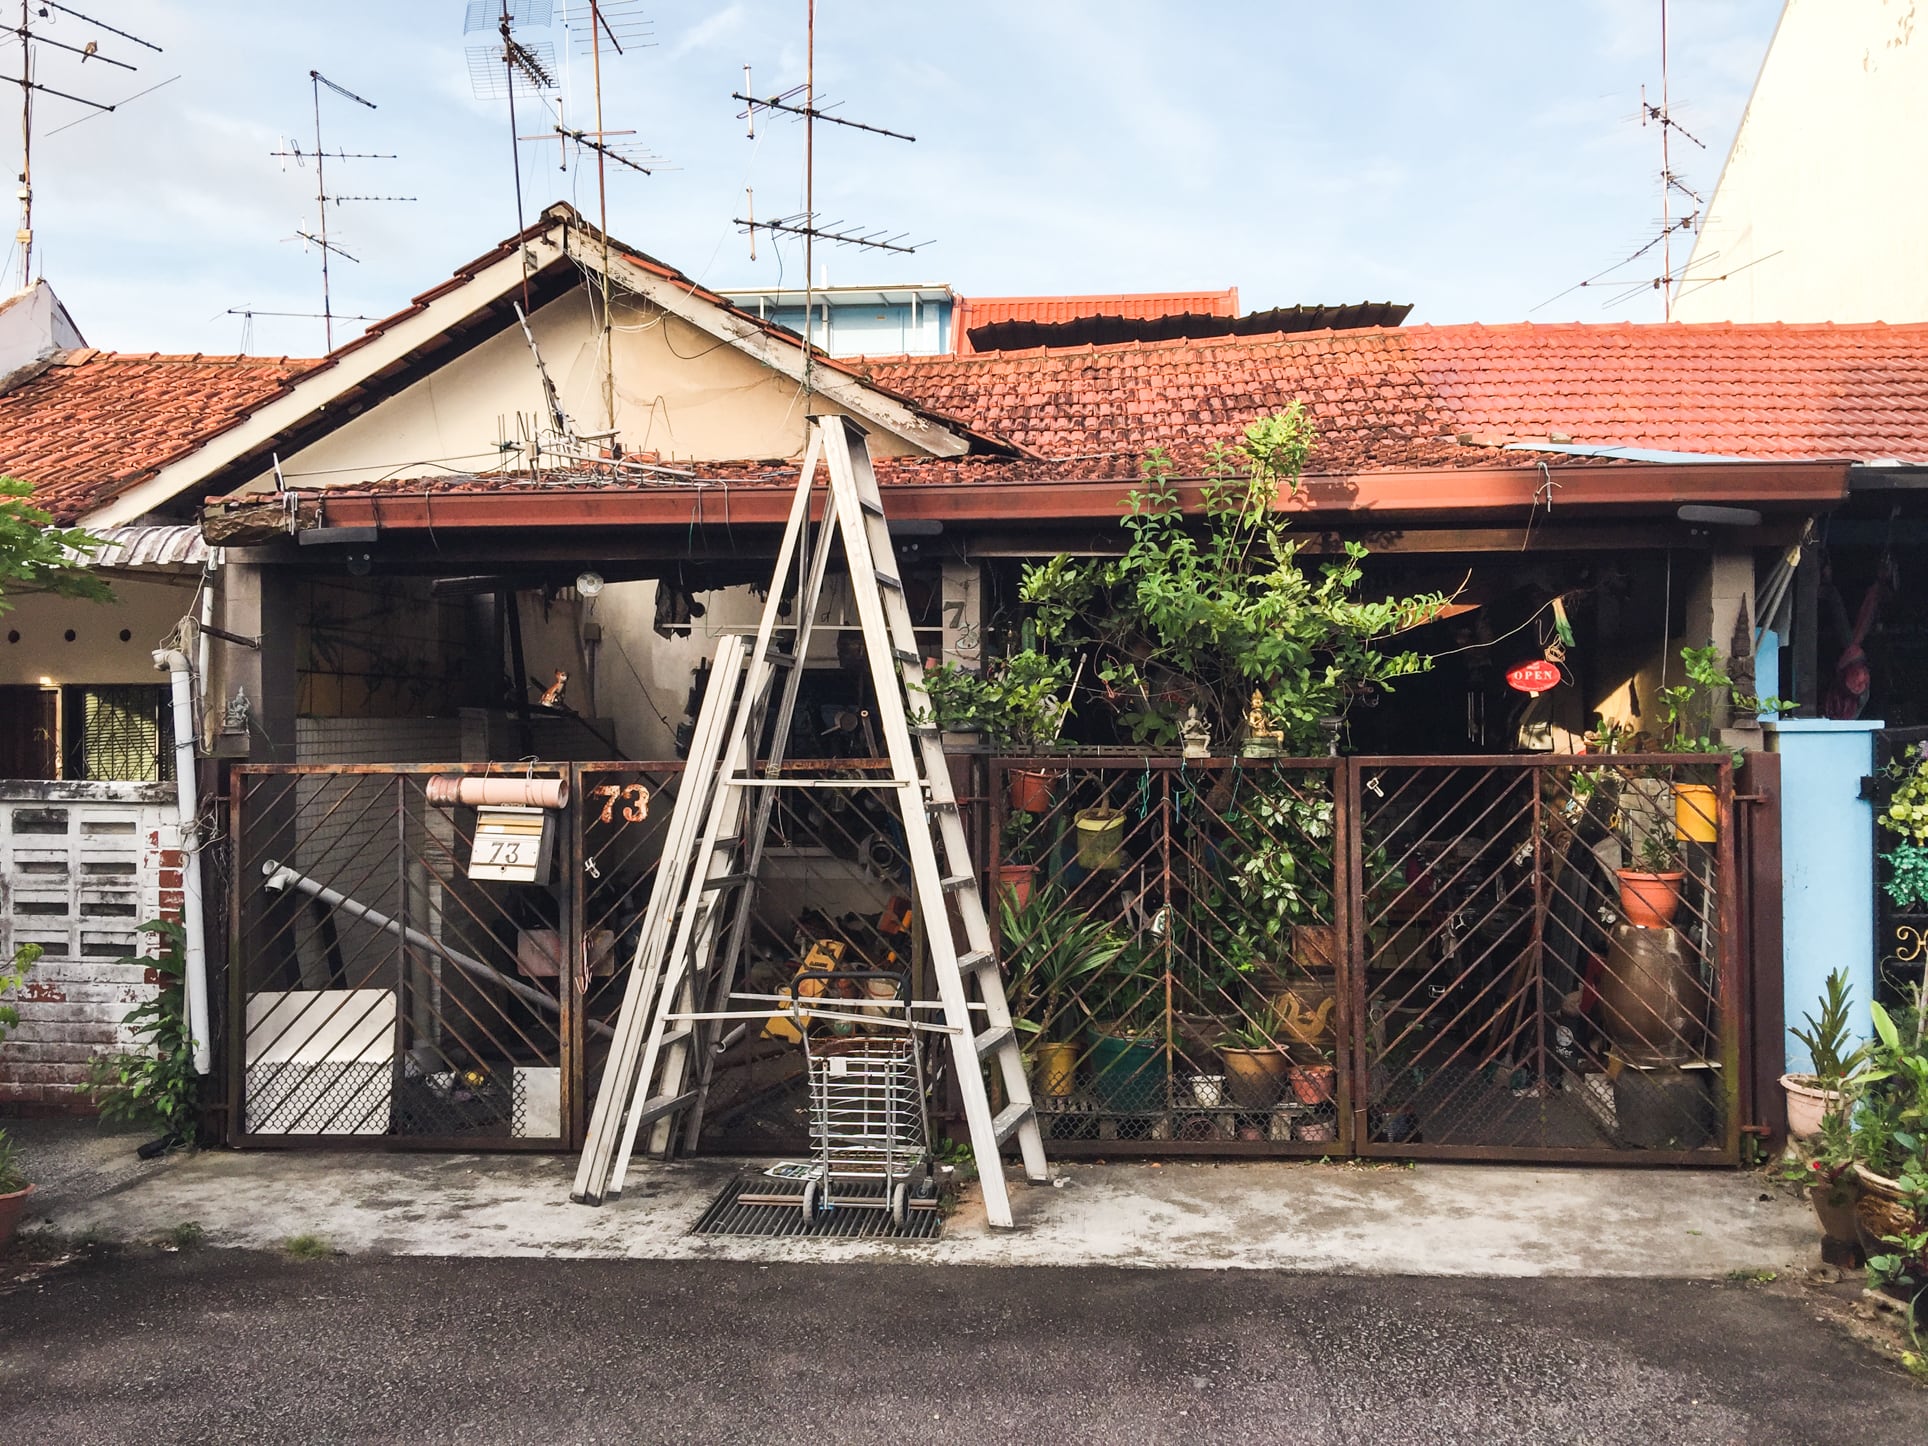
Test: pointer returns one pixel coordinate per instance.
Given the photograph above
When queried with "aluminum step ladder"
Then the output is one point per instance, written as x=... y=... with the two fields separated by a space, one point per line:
x=680 y=991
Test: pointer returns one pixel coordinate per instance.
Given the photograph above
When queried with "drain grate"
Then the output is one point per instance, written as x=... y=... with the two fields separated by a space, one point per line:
x=730 y=1216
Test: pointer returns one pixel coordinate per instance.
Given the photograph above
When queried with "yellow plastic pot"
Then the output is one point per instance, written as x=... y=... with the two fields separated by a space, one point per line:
x=1696 y=813
x=1057 y=1068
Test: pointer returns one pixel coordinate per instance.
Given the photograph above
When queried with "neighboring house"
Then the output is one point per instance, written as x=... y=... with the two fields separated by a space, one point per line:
x=1819 y=211
x=89 y=828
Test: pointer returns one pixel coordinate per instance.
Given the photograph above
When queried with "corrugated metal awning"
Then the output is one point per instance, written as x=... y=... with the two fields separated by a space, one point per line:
x=178 y=545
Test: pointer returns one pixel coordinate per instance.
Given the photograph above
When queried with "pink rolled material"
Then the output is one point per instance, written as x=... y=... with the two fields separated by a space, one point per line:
x=499 y=789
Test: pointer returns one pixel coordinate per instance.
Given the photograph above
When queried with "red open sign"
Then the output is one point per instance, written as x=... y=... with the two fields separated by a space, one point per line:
x=1535 y=677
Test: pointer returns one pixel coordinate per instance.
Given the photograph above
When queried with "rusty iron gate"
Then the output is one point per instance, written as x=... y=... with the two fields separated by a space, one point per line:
x=1514 y=995
x=1413 y=957
x=1372 y=956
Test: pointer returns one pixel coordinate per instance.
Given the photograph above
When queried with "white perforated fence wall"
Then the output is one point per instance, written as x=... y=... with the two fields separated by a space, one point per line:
x=82 y=866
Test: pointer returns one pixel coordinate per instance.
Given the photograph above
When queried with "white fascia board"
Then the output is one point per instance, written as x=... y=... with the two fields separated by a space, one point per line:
x=311 y=394
x=857 y=398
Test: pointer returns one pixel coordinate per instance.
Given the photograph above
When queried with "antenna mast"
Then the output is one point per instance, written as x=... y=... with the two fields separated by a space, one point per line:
x=806 y=224
x=319 y=236
x=29 y=38
x=1663 y=116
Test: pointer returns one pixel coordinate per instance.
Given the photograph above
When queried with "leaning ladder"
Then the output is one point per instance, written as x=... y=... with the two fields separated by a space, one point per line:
x=682 y=977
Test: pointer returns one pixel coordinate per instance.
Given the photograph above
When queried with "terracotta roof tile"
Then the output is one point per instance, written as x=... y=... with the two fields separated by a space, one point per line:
x=92 y=424
x=1398 y=397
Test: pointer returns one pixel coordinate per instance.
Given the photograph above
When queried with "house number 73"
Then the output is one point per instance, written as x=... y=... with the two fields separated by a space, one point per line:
x=635 y=810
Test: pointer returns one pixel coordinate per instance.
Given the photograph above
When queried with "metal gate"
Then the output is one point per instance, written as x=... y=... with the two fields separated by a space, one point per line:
x=379 y=994
x=1514 y=996
x=1397 y=956
x=1382 y=957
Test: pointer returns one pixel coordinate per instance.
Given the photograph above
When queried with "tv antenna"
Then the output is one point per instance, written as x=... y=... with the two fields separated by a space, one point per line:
x=1662 y=115
x=802 y=102
x=45 y=11
x=318 y=238
x=520 y=67
x=1670 y=183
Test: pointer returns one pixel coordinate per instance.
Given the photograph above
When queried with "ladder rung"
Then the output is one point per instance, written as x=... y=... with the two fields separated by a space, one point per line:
x=976 y=959
x=655 y=1109
x=1009 y=1120
x=725 y=881
x=889 y=580
x=742 y=780
x=872 y=505
x=780 y=660
x=926 y=730
x=676 y=1036
x=993 y=1039
x=959 y=881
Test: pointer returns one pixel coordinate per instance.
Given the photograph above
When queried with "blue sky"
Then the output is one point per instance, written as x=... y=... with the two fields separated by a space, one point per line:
x=1475 y=157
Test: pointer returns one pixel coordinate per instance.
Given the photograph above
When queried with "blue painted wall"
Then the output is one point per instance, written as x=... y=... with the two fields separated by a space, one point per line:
x=1827 y=864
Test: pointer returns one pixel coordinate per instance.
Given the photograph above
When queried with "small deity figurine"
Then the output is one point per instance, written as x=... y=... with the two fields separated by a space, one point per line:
x=1195 y=735
x=1261 y=740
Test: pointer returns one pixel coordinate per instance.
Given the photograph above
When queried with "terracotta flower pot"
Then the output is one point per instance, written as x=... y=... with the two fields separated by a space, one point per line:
x=1834 y=1207
x=1030 y=790
x=1312 y=1084
x=1019 y=879
x=1649 y=901
x=1807 y=1105
x=12 y=1207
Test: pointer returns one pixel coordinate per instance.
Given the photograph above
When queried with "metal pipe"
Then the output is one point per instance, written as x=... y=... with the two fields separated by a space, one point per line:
x=194 y=948
x=280 y=876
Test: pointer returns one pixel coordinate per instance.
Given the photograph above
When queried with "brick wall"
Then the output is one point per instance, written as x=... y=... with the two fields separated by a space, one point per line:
x=81 y=866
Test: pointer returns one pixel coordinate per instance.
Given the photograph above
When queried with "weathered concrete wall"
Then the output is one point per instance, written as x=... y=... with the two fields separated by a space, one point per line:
x=82 y=866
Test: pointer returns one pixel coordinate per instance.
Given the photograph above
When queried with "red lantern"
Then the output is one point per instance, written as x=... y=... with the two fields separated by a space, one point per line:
x=1534 y=677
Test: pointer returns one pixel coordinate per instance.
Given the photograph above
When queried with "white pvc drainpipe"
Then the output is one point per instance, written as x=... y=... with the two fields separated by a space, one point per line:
x=196 y=950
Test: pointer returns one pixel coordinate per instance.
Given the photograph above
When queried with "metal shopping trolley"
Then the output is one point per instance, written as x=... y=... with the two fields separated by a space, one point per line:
x=869 y=1118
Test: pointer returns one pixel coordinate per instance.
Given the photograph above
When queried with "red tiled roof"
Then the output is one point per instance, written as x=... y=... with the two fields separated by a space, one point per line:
x=92 y=424
x=1399 y=397
x=990 y=310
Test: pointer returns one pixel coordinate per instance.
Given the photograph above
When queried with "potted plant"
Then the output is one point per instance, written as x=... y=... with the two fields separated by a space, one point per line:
x=1256 y=1066
x=1128 y=1060
x=14 y=1185
x=1825 y=1171
x=1017 y=872
x=1812 y=1095
x=1650 y=894
x=1888 y=1118
x=1211 y=602
x=1019 y=702
x=1050 y=953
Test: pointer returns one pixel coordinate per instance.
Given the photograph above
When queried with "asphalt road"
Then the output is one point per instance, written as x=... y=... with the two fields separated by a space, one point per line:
x=226 y=1346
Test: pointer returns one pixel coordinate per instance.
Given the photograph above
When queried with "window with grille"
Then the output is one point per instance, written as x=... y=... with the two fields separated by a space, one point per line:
x=121 y=733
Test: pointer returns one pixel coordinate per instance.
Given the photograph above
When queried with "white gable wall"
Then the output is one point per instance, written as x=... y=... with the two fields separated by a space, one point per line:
x=1820 y=213
x=679 y=393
